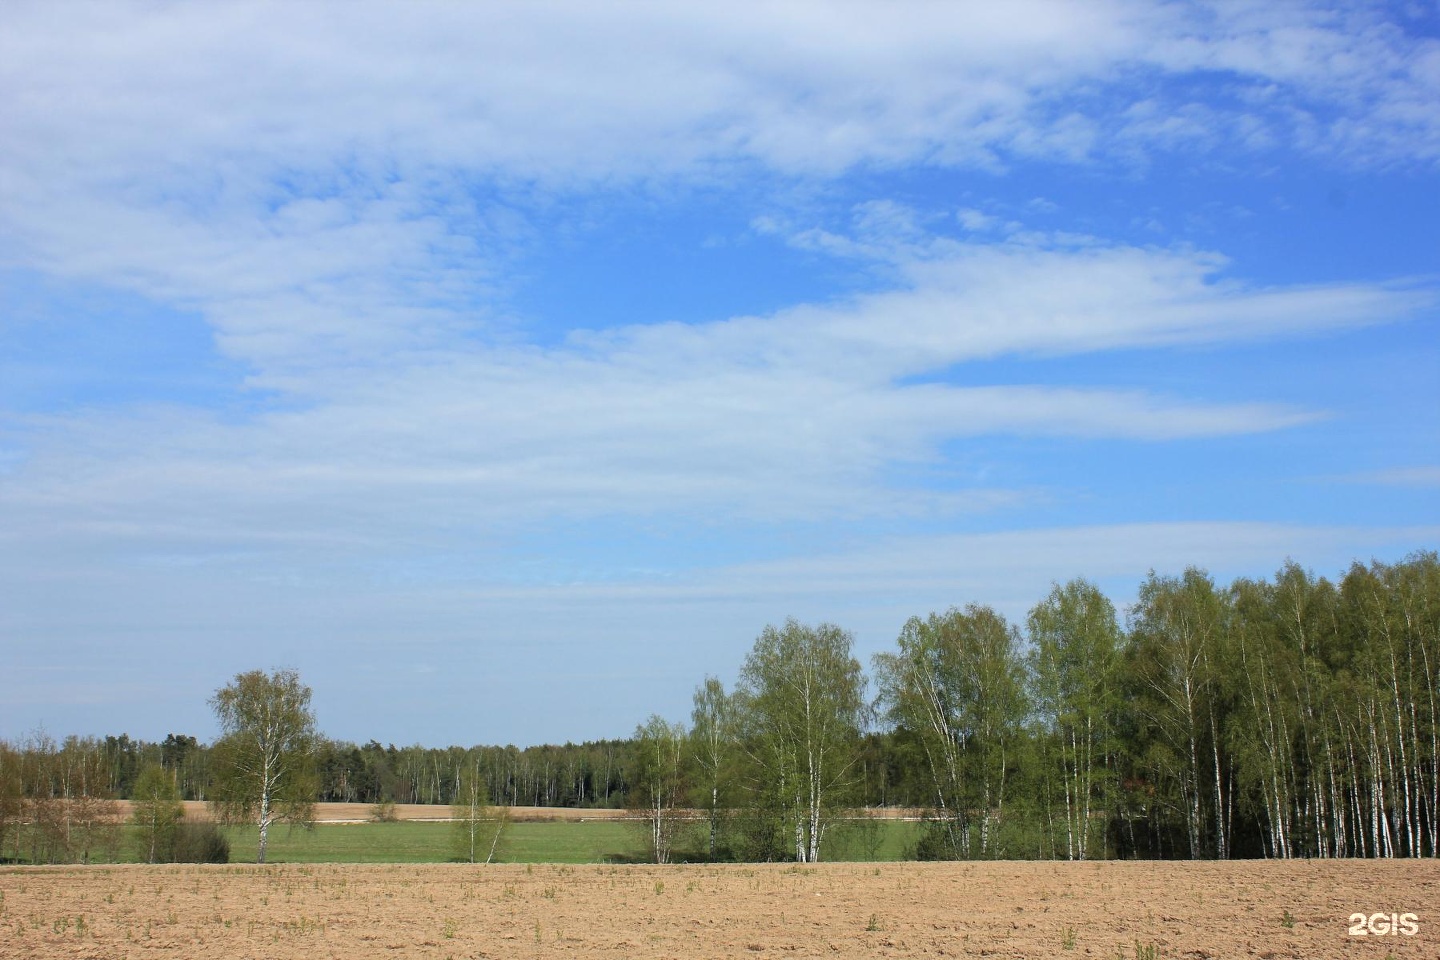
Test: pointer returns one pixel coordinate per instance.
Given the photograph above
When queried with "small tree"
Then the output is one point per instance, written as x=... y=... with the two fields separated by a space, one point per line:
x=156 y=812
x=657 y=782
x=471 y=811
x=711 y=744
x=265 y=758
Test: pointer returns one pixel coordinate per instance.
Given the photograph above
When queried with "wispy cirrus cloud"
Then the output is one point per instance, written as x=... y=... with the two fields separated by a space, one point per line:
x=349 y=199
x=819 y=400
x=570 y=90
x=309 y=166
x=1418 y=476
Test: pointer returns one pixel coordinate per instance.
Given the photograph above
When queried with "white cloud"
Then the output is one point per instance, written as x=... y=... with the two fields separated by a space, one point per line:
x=975 y=220
x=1344 y=80
x=797 y=416
x=305 y=176
x=572 y=89
x=544 y=89
x=341 y=190
x=1014 y=567
x=1420 y=476
x=1038 y=296
x=197 y=110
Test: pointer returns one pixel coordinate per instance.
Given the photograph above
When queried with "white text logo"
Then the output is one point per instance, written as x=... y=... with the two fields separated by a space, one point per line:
x=1384 y=924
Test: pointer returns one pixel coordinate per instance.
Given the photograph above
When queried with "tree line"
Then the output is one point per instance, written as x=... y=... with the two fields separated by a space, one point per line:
x=1286 y=717
x=58 y=805
x=590 y=774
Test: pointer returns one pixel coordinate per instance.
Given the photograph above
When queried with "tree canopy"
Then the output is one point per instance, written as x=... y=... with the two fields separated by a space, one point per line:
x=265 y=758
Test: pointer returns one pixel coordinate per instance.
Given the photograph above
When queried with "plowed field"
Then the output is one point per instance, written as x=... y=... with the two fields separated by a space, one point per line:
x=1145 y=910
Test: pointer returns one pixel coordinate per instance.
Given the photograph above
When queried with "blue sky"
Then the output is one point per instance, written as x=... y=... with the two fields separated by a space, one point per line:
x=507 y=368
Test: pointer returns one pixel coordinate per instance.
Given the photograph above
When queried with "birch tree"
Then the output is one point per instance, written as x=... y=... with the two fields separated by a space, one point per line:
x=712 y=734
x=1176 y=646
x=803 y=710
x=659 y=782
x=1391 y=616
x=470 y=813
x=957 y=684
x=1075 y=639
x=156 y=813
x=265 y=758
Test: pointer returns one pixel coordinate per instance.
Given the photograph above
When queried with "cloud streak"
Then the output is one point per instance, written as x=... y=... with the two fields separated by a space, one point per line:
x=352 y=202
x=329 y=156
x=796 y=416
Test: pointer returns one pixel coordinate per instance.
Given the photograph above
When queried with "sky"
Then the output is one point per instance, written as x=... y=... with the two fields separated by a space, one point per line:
x=506 y=368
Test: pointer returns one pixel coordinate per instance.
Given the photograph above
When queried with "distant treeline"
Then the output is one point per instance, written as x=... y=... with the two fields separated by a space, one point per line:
x=1289 y=717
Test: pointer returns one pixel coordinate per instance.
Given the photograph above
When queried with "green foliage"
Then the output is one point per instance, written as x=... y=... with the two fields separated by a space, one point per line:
x=592 y=774
x=473 y=824
x=657 y=784
x=1072 y=672
x=11 y=794
x=561 y=841
x=156 y=812
x=800 y=709
x=957 y=684
x=200 y=843
x=58 y=808
x=1148 y=951
x=1179 y=670
x=714 y=756
x=265 y=759
x=1286 y=717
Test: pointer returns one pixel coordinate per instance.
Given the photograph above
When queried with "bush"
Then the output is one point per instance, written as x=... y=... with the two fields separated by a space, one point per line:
x=936 y=844
x=200 y=843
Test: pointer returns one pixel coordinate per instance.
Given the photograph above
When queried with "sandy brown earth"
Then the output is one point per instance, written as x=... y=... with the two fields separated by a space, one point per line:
x=1200 y=910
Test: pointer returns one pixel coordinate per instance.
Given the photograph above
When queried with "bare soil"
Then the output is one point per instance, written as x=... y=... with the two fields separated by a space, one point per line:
x=1105 y=910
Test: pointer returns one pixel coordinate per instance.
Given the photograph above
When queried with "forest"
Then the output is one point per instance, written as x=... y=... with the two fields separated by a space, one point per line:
x=1294 y=716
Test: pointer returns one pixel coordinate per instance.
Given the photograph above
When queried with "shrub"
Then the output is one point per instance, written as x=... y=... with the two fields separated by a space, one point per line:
x=200 y=843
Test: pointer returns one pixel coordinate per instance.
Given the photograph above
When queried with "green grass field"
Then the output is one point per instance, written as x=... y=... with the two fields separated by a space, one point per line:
x=589 y=841
x=526 y=841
